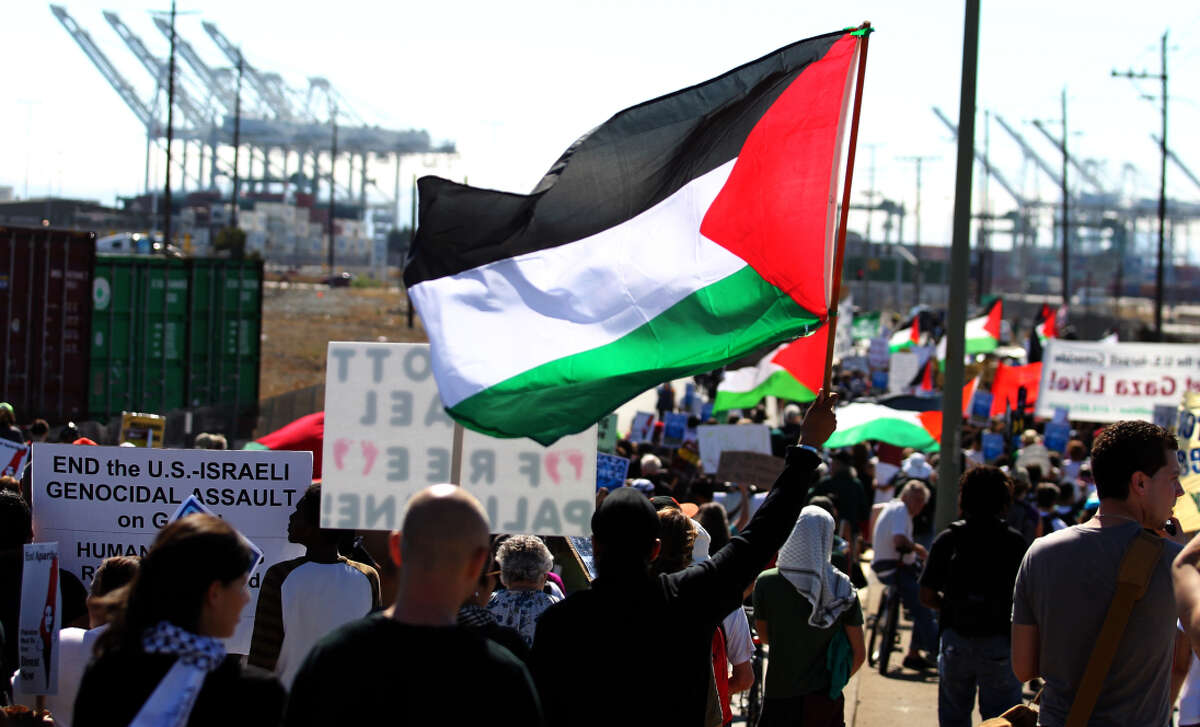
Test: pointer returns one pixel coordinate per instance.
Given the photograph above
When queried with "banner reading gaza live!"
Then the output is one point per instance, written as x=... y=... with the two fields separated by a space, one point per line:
x=1107 y=382
x=99 y=502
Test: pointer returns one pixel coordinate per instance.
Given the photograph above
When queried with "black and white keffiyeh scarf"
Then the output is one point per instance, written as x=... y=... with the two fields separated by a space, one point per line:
x=804 y=562
x=171 y=703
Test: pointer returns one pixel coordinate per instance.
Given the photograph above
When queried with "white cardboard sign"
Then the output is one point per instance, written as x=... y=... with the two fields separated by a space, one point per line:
x=1107 y=382
x=103 y=501
x=904 y=368
x=716 y=438
x=41 y=618
x=388 y=437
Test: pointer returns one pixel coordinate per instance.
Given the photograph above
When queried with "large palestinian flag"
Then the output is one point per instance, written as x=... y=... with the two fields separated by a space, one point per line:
x=674 y=238
x=860 y=422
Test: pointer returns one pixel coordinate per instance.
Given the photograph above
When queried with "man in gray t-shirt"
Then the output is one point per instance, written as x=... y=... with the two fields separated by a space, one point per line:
x=1068 y=579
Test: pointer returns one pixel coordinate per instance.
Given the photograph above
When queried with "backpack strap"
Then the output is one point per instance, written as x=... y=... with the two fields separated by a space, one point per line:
x=1137 y=567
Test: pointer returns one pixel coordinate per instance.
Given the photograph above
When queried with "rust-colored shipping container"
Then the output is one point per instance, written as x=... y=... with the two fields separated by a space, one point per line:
x=46 y=303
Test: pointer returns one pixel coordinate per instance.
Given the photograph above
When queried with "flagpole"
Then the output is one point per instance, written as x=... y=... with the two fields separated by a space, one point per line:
x=840 y=246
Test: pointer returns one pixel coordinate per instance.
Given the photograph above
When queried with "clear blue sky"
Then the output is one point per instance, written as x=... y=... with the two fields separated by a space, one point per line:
x=514 y=83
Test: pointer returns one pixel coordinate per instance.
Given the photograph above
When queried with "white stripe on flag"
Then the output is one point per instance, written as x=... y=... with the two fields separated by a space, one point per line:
x=571 y=298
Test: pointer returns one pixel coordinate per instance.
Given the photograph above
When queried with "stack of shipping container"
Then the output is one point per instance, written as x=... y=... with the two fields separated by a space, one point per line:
x=90 y=336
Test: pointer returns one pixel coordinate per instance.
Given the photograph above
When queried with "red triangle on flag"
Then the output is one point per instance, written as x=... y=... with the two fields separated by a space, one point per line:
x=995 y=316
x=804 y=358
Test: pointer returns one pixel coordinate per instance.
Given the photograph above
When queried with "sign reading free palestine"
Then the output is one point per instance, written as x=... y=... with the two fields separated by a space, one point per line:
x=388 y=437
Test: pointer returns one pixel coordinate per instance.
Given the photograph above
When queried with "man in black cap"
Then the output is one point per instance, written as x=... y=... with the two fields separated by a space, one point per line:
x=613 y=633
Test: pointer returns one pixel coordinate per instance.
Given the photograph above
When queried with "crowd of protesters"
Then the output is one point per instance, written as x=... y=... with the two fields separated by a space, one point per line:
x=371 y=626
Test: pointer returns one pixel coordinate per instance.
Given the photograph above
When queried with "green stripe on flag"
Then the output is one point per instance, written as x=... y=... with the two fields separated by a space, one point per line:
x=781 y=384
x=709 y=328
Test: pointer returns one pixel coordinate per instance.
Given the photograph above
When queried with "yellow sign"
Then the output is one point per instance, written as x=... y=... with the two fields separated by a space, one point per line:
x=143 y=430
x=1187 y=432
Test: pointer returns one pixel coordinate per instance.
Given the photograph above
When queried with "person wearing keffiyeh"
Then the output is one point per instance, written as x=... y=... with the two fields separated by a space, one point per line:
x=809 y=613
x=161 y=662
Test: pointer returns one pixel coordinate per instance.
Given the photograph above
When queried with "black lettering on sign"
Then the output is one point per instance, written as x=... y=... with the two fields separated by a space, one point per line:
x=397 y=464
x=483 y=466
x=439 y=465
x=417 y=364
x=402 y=409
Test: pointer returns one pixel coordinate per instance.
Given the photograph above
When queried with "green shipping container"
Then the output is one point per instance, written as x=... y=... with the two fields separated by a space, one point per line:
x=176 y=333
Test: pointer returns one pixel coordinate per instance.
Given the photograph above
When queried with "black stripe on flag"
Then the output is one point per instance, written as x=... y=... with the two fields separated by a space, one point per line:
x=623 y=167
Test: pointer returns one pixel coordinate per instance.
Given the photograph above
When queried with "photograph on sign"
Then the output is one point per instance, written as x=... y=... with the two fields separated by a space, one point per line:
x=389 y=437
x=97 y=502
x=716 y=438
x=40 y=620
x=13 y=458
x=606 y=433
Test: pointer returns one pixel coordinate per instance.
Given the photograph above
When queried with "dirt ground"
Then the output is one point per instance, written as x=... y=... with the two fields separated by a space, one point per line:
x=299 y=320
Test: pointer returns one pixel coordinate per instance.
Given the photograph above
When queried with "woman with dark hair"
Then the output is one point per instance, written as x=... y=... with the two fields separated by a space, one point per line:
x=161 y=662
x=713 y=518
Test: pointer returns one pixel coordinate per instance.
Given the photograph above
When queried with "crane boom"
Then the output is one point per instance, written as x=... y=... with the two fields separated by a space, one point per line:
x=158 y=70
x=1083 y=172
x=223 y=93
x=275 y=101
x=106 y=68
x=1020 y=200
x=1029 y=152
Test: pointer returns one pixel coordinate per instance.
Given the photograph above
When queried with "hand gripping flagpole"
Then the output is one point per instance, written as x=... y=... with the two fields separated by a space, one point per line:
x=864 y=31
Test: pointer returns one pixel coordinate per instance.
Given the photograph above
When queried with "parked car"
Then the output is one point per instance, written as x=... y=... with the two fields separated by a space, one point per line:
x=341 y=280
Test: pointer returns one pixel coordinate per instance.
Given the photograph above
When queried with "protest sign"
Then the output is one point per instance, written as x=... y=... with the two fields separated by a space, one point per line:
x=611 y=471
x=143 y=430
x=13 y=458
x=606 y=434
x=1187 y=507
x=843 y=338
x=865 y=326
x=904 y=368
x=103 y=501
x=855 y=363
x=734 y=503
x=716 y=438
x=750 y=468
x=1056 y=437
x=993 y=446
x=879 y=353
x=674 y=429
x=387 y=437
x=643 y=427
x=1062 y=414
x=41 y=618
x=879 y=380
x=1165 y=416
x=1107 y=382
x=981 y=407
x=581 y=548
x=706 y=411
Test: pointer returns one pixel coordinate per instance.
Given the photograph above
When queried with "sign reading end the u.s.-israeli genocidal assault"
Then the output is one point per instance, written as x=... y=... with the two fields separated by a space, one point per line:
x=98 y=502
x=387 y=437
x=1107 y=382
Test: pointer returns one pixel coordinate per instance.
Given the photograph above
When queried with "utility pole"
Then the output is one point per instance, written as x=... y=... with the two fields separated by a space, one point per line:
x=170 y=131
x=332 y=184
x=917 y=224
x=870 y=246
x=237 y=140
x=960 y=251
x=1066 y=210
x=1162 y=182
x=985 y=216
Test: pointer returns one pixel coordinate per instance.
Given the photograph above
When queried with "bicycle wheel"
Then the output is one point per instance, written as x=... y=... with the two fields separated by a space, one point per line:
x=754 y=694
x=876 y=625
x=888 y=633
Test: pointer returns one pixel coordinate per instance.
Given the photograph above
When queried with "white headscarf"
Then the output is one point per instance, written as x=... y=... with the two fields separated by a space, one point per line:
x=916 y=466
x=804 y=561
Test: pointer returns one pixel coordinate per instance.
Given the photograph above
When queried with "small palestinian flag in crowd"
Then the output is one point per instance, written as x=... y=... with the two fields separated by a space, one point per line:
x=923 y=382
x=1046 y=323
x=792 y=371
x=674 y=238
x=982 y=334
x=906 y=336
x=860 y=422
